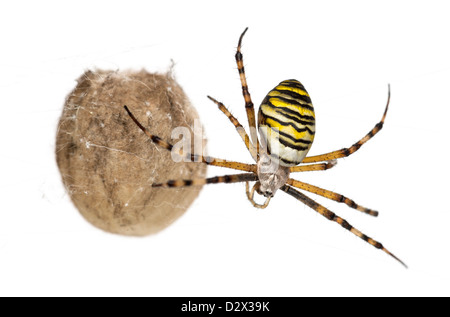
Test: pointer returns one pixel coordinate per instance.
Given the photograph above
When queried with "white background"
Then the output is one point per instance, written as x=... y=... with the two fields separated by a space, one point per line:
x=344 y=52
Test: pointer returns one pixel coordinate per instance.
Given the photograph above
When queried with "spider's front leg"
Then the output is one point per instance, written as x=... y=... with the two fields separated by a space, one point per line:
x=249 y=107
x=239 y=128
x=193 y=157
x=228 y=179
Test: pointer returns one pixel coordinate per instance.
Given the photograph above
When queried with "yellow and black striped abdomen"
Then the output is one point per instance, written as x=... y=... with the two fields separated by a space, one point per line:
x=287 y=123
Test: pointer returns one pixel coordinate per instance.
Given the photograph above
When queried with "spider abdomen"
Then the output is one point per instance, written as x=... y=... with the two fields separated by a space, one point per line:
x=286 y=122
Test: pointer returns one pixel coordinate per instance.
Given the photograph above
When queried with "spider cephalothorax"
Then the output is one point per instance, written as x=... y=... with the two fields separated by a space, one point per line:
x=286 y=122
x=271 y=175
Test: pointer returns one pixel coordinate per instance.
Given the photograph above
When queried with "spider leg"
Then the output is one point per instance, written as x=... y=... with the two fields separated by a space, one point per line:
x=333 y=217
x=193 y=157
x=348 y=151
x=331 y=195
x=313 y=167
x=235 y=178
x=239 y=128
x=245 y=92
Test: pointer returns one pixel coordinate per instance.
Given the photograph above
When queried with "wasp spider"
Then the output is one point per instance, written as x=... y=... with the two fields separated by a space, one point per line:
x=286 y=125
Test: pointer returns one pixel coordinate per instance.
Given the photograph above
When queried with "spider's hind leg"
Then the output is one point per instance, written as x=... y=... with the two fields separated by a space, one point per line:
x=313 y=167
x=352 y=149
x=333 y=217
x=331 y=195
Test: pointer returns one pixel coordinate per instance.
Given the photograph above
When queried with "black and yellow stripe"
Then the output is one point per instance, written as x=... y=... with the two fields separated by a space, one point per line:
x=286 y=121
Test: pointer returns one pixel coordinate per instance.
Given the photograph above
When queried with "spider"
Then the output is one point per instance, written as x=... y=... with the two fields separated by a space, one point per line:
x=286 y=124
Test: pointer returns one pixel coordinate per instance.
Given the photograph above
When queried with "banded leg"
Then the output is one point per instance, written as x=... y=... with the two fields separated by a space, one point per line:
x=313 y=167
x=331 y=195
x=239 y=128
x=245 y=92
x=348 y=151
x=235 y=178
x=333 y=217
x=194 y=157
